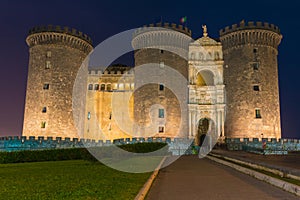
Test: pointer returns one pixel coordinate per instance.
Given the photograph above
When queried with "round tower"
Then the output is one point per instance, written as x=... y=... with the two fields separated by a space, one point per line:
x=251 y=79
x=55 y=55
x=164 y=46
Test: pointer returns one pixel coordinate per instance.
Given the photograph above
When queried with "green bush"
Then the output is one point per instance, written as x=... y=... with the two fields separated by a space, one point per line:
x=143 y=147
x=45 y=155
x=76 y=153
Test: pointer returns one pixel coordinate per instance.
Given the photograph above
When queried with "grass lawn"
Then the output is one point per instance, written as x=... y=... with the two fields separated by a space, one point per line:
x=75 y=179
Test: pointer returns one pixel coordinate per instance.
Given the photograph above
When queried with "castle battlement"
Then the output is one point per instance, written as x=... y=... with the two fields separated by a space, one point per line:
x=171 y=26
x=59 y=29
x=112 y=70
x=259 y=33
x=165 y=36
x=44 y=35
x=249 y=26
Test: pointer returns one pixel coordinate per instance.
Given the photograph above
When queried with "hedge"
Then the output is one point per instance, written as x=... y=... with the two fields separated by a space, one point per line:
x=75 y=153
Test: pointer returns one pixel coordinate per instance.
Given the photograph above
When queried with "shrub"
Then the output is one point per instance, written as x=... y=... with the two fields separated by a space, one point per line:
x=75 y=153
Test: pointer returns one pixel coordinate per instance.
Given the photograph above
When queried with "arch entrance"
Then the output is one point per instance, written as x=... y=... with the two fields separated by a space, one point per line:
x=206 y=128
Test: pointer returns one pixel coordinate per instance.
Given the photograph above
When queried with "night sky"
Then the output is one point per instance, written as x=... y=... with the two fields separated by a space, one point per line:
x=102 y=19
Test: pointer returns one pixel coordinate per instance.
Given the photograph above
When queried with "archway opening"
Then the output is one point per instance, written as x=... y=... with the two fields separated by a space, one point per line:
x=205 y=78
x=206 y=129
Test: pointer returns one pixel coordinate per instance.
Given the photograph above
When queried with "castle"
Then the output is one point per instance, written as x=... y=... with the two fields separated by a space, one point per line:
x=229 y=85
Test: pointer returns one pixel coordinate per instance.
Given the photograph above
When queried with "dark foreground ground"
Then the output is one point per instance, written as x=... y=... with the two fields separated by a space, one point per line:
x=193 y=178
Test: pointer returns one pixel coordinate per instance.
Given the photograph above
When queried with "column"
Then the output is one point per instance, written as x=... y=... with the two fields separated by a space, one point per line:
x=190 y=124
x=219 y=122
x=194 y=124
x=223 y=122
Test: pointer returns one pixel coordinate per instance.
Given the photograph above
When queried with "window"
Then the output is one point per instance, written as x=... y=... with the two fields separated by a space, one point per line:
x=48 y=55
x=96 y=87
x=102 y=87
x=161 y=51
x=115 y=86
x=127 y=86
x=48 y=65
x=161 y=64
x=161 y=129
x=255 y=66
x=255 y=50
x=108 y=87
x=44 y=110
x=43 y=125
x=256 y=88
x=121 y=86
x=161 y=113
x=90 y=86
x=89 y=115
x=46 y=86
x=257 y=113
x=161 y=87
x=110 y=115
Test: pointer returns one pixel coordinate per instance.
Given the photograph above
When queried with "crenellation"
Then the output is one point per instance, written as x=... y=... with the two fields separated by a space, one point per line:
x=173 y=26
x=249 y=26
x=40 y=138
x=58 y=29
x=259 y=24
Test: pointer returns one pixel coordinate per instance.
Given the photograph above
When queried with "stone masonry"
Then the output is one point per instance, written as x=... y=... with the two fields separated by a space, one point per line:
x=55 y=56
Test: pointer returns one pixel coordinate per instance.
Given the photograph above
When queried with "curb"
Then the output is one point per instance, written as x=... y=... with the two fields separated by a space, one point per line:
x=289 y=187
x=145 y=189
x=260 y=167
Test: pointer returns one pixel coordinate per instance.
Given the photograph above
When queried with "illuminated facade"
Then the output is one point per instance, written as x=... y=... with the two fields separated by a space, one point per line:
x=231 y=87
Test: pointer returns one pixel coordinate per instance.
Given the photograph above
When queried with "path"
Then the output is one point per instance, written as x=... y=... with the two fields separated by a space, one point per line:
x=193 y=178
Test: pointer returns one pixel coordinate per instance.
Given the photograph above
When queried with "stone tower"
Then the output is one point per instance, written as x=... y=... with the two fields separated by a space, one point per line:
x=55 y=55
x=162 y=46
x=251 y=79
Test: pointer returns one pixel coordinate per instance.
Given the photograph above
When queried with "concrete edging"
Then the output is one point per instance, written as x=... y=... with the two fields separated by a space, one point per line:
x=145 y=189
x=289 y=187
x=261 y=167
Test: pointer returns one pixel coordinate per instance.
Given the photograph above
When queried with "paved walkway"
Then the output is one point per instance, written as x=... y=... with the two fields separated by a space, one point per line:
x=192 y=178
x=289 y=163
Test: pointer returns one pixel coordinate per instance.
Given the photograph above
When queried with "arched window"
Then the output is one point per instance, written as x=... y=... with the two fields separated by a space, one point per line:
x=127 y=86
x=90 y=86
x=96 y=87
x=108 y=87
x=121 y=86
x=102 y=88
x=115 y=86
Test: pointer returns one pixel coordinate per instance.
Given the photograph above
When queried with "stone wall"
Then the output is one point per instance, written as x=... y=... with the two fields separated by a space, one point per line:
x=106 y=119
